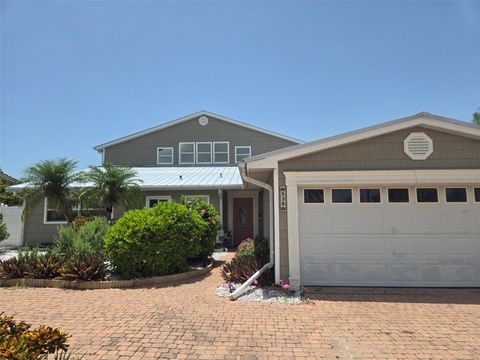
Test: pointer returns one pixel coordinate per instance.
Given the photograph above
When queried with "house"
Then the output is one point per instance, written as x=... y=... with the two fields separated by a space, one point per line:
x=195 y=156
x=7 y=179
x=397 y=204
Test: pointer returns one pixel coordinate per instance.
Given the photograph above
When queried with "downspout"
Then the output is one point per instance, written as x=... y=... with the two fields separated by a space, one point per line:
x=269 y=265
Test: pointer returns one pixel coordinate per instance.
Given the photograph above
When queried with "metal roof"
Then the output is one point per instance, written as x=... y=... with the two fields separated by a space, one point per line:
x=160 y=178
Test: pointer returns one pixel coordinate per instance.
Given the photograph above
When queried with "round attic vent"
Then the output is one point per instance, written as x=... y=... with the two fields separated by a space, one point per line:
x=203 y=120
x=418 y=146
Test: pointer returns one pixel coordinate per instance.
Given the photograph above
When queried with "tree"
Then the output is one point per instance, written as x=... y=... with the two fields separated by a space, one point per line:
x=111 y=185
x=476 y=117
x=3 y=229
x=54 y=180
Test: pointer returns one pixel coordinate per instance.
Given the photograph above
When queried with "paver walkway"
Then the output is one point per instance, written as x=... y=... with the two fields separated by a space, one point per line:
x=189 y=322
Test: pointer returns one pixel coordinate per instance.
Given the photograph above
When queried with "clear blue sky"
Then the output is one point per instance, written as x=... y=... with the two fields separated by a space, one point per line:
x=75 y=74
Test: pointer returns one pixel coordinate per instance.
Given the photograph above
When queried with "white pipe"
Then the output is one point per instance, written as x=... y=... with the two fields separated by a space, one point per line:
x=247 y=283
x=269 y=265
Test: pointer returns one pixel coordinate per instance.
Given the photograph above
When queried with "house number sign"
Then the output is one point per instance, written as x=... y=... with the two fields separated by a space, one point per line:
x=283 y=198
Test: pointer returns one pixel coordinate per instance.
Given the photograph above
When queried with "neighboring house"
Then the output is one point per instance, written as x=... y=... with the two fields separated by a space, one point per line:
x=7 y=179
x=397 y=204
x=195 y=156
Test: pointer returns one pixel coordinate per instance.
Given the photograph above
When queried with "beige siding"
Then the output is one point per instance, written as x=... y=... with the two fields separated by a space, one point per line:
x=142 y=151
x=380 y=153
x=36 y=232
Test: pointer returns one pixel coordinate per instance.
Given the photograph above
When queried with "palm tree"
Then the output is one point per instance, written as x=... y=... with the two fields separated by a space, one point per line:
x=52 y=179
x=476 y=117
x=111 y=185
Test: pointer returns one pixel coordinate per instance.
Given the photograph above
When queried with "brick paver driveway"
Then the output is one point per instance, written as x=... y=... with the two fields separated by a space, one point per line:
x=189 y=322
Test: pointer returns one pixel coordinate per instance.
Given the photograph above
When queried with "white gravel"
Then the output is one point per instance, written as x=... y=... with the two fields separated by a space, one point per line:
x=268 y=294
x=219 y=255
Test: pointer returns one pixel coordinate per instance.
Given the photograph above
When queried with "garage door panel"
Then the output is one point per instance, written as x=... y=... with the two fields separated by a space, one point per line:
x=390 y=244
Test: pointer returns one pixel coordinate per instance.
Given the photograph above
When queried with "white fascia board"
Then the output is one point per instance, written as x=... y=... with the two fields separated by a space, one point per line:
x=190 y=117
x=382 y=177
x=430 y=121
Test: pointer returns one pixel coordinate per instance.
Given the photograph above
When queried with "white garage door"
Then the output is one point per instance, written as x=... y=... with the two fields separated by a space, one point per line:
x=389 y=244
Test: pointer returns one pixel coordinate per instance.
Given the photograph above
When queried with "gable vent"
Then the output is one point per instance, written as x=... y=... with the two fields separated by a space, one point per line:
x=418 y=146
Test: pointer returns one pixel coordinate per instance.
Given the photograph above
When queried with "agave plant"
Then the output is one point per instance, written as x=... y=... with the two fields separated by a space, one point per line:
x=45 y=267
x=13 y=268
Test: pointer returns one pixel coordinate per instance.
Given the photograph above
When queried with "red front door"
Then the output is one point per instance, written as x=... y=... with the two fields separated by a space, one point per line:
x=242 y=219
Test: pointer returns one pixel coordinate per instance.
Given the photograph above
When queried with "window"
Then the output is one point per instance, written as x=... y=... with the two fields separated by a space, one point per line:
x=456 y=194
x=313 y=196
x=201 y=197
x=398 y=196
x=426 y=195
x=51 y=215
x=221 y=152
x=154 y=200
x=341 y=195
x=477 y=194
x=187 y=153
x=165 y=155
x=204 y=152
x=369 y=195
x=242 y=152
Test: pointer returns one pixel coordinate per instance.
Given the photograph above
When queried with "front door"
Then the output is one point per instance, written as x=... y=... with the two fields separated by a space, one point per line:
x=242 y=219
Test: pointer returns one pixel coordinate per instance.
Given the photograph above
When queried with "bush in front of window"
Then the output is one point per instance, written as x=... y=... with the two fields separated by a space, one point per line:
x=154 y=242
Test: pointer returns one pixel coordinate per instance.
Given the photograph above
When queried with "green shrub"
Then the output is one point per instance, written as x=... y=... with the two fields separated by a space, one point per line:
x=212 y=219
x=87 y=239
x=84 y=267
x=13 y=268
x=153 y=242
x=81 y=220
x=3 y=229
x=18 y=341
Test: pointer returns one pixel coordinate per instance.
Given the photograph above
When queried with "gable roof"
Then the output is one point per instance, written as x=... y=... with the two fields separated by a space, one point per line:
x=270 y=159
x=190 y=117
x=7 y=177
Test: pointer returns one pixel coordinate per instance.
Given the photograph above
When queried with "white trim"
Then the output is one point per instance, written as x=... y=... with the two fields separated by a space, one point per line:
x=458 y=202
x=369 y=188
x=190 y=117
x=253 y=194
x=203 y=152
x=243 y=147
x=221 y=152
x=405 y=187
x=164 y=148
x=156 y=197
x=421 y=203
x=293 y=237
x=383 y=177
x=45 y=221
x=426 y=120
x=340 y=203
x=276 y=213
x=190 y=197
x=180 y=152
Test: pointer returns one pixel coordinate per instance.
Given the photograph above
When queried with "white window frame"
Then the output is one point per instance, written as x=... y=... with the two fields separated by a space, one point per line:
x=314 y=203
x=426 y=202
x=222 y=152
x=195 y=196
x=368 y=202
x=341 y=203
x=45 y=209
x=242 y=147
x=165 y=148
x=180 y=152
x=457 y=202
x=387 y=197
x=156 y=197
x=198 y=152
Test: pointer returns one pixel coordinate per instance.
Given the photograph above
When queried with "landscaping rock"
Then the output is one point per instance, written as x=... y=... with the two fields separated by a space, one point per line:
x=268 y=294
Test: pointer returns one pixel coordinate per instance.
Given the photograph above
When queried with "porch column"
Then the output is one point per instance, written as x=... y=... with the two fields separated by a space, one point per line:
x=220 y=201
